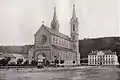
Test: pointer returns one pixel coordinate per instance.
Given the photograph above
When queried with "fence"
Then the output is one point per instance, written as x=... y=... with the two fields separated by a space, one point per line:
x=8 y=67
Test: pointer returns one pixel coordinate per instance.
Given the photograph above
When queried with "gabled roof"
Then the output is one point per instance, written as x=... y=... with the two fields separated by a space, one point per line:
x=53 y=32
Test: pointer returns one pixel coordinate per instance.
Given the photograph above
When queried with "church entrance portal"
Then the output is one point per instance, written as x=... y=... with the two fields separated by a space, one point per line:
x=41 y=57
x=100 y=63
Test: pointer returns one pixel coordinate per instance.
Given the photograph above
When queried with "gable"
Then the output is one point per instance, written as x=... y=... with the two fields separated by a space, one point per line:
x=52 y=32
x=39 y=30
x=39 y=40
x=100 y=53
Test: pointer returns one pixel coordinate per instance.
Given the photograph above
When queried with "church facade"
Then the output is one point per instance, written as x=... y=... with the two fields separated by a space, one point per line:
x=50 y=43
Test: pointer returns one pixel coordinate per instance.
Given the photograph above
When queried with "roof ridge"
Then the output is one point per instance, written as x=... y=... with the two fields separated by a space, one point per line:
x=57 y=33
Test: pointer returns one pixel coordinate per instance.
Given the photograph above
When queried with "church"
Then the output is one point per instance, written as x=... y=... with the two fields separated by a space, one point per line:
x=51 y=43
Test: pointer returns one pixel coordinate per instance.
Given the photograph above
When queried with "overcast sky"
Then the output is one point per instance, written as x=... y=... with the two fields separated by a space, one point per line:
x=20 y=19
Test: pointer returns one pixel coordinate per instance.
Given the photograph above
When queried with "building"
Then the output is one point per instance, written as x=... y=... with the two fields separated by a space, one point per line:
x=50 y=43
x=31 y=55
x=104 y=57
x=16 y=57
x=16 y=49
x=13 y=57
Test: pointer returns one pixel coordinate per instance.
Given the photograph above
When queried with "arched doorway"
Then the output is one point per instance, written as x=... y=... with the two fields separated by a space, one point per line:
x=100 y=63
x=41 y=56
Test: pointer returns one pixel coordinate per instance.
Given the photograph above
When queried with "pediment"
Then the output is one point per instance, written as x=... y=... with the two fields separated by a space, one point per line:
x=41 y=30
x=100 y=53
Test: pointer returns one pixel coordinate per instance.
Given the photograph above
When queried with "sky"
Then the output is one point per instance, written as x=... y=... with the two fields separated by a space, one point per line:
x=20 y=19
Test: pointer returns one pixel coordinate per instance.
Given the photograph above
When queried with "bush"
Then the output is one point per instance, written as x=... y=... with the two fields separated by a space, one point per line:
x=57 y=61
x=26 y=63
x=19 y=61
x=40 y=66
x=61 y=61
x=4 y=62
x=34 y=63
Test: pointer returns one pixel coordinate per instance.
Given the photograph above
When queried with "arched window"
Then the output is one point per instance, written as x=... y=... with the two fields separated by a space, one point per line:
x=59 y=40
x=53 y=39
x=73 y=27
x=56 y=40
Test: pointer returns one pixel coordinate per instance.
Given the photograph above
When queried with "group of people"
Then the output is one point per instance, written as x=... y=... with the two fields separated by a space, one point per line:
x=20 y=63
x=47 y=63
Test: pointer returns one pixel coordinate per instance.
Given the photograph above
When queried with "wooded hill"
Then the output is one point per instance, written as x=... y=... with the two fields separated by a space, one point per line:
x=108 y=43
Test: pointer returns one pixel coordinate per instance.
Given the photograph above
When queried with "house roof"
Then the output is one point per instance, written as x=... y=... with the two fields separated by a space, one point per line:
x=53 y=32
x=7 y=55
x=14 y=55
x=106 y=52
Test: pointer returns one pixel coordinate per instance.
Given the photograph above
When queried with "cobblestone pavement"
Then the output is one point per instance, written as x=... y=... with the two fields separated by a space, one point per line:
x=82 y=73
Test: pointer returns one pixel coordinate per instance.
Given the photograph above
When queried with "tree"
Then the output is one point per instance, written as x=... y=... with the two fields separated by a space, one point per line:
x=34 y=63
x=8 y=59
x=61 y=61
x=4 y=62
x=19 y=61
x=1 y=49
x=26 y=63
x=56 y=61
x=47 y=63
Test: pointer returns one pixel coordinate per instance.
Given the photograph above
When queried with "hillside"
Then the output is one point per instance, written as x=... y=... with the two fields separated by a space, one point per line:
x=87 y=45
x=15 y=49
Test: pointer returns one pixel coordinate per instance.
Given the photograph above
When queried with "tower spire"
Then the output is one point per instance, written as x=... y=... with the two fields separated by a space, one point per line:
x=54 y=23
x=74 y=14
x=54 y=15
x=74 y=34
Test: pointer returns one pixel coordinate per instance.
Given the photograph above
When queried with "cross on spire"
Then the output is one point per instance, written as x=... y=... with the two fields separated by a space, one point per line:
x=42 y=22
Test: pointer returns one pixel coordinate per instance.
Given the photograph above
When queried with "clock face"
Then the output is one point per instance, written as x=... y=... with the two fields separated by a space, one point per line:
x=43 y=39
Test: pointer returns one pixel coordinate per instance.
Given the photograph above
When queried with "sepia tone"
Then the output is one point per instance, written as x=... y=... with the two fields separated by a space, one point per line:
x=74 y=45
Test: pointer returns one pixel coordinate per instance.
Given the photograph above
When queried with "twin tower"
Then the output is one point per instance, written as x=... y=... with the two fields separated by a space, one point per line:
x=74 y=33
x=50 y=43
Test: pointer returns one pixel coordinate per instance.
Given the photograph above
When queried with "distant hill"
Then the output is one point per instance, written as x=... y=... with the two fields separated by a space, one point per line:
x=16 y=49
x=87 y=45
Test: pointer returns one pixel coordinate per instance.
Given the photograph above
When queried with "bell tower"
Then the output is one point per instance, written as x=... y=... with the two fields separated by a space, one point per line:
x=54 y=23
x=74 y=35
